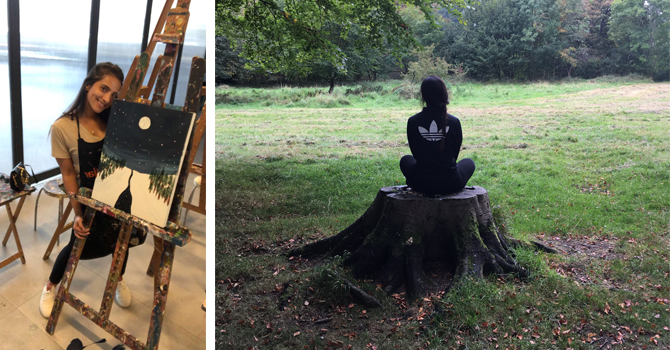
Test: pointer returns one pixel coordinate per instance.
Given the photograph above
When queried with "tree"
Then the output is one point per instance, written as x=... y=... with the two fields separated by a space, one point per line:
x=427 y=64
x=497 y=40
x=281 y=36
x=598 y=44
x=109 y=162
x=359 y=59
x=161 y=183
x=569 y=58
x=640 y=30
x=229 y=64
x=573 y=29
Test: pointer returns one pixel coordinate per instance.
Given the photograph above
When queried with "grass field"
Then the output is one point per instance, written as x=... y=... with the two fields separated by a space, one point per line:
x=582 y=165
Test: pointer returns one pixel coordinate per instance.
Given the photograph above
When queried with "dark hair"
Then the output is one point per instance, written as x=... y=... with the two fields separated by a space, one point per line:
x=436 y=98
x=96 y=74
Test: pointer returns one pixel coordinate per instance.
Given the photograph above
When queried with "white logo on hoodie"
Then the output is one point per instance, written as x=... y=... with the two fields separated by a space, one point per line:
x=433 y=134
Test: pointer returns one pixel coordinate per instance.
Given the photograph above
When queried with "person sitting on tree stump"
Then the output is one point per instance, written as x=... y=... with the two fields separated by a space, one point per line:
x=435 y=138
x=401 y=231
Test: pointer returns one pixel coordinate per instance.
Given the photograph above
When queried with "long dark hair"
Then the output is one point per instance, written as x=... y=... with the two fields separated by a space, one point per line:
x=435 y=96
x=96 y=74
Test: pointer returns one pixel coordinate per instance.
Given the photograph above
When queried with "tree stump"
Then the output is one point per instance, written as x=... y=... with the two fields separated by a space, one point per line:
x=403 y=229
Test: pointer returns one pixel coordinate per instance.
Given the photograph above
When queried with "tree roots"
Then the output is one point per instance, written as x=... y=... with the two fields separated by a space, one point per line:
x=402 y=229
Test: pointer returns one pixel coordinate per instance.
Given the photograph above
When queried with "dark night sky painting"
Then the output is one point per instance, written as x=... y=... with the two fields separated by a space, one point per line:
x=141 y=158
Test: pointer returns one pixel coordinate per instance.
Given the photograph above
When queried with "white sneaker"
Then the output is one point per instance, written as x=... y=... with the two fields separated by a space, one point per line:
x=47 y=301
x=123 y=295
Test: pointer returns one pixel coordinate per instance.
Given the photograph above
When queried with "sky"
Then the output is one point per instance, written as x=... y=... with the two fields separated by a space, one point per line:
x=161 y=145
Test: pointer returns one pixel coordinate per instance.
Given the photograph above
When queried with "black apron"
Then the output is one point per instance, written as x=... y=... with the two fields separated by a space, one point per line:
x=104 y=229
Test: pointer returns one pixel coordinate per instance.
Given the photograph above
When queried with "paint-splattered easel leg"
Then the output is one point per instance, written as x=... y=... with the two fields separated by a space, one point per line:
x=114 y=272
x=162 y=278
x=155 y=258
x=69 y=273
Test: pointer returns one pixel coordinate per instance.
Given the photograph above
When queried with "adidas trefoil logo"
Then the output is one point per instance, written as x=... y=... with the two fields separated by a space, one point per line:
x=433 y=134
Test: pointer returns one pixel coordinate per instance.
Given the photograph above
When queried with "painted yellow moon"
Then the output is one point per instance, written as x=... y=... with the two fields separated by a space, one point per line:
x=145 y=123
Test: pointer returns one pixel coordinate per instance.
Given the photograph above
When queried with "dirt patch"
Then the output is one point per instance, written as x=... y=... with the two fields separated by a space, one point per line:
x=597 y=187
x=653 y=91
x=583 y=246
x=640 y=98
x=584 y=249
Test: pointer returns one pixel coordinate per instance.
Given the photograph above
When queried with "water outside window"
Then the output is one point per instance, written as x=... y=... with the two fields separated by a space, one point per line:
x=54 y=62
x=120 y=31
x=53 y=65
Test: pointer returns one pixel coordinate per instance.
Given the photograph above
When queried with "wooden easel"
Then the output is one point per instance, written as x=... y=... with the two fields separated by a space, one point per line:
x=169 y=237
x=198 y=169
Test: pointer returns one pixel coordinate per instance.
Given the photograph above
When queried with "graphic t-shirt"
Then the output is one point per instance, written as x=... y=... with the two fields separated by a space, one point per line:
x=425 y=135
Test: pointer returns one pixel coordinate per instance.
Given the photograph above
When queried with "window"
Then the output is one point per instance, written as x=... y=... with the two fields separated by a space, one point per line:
x=54 y=60
x=120 y=31
x=53 y=66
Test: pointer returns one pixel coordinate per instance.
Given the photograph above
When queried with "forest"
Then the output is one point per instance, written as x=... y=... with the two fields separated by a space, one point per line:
x=489 y=40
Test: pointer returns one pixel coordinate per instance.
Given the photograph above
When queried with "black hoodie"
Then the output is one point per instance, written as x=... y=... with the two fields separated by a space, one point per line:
x=424 y=134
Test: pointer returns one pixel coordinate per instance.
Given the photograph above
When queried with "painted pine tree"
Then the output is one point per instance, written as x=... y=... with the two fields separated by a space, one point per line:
x=161 y=183
x=108 y=164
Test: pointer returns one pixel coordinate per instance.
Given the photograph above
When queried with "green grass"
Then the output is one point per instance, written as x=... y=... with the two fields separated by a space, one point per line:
x=388 y=94
x=579 y=162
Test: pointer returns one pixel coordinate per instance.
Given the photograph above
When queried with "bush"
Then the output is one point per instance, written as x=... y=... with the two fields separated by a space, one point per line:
x=630 y=78
x=427 y=65
x=364 y=88
x=407 y=91
x=663 y=75
x=229 y=98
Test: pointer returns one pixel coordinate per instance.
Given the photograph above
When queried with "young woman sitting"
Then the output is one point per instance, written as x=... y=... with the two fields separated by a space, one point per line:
x=435 y=139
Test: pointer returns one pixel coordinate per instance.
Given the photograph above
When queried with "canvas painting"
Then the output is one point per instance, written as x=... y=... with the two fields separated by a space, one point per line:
x=141 y=159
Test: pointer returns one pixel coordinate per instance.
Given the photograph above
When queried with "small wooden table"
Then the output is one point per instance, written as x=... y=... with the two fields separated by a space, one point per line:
x=7 y=195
